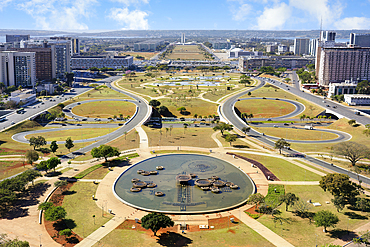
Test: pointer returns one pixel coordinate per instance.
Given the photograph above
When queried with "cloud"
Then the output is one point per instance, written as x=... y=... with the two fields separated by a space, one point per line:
x=59 y=15
x=319 y=9
x=350 y=23
x=134 y=20
x=132 y=2
x=240 y=14
x=274 y=18
x=4 y=3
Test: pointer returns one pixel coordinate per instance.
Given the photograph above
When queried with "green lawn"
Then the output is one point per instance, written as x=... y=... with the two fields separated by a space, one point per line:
x=195 y=137
x=80 y=208
x=273 y=92
x=240 y=235
x=297 y=134
x=263 y=108
x=283 y=169
x=300 y=232
x=102 y=93
x=75 y=134
x=105 y=109
x=193 y=106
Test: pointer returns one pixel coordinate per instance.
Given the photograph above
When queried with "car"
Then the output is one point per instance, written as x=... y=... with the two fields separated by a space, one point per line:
x=182 y=119
x=269 y=119
x=328 y=105
x=97 y=119
x=335 y=106
x=78 y=103
x=12 y=122
x=323 y=101
x=277 y=99
x=110 y=118
x=84 y=119
x=196 y=125
x=286 y=124
x=63 y=124
x=79 y=124
x=186 y=124
x=288 y=88
x=120 y=124
x=275 y=126
x=42 y=103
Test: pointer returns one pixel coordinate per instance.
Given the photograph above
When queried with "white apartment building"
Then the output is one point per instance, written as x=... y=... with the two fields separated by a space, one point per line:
x=116 y=62
x=357 y=99
x=338 y=64
x=342 y=88
x=17 y=68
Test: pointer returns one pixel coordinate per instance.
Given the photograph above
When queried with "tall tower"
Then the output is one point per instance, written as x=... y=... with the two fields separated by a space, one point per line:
x=183 y=38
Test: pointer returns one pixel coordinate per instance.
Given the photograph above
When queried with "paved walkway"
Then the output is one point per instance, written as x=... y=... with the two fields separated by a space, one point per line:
x=263 y=231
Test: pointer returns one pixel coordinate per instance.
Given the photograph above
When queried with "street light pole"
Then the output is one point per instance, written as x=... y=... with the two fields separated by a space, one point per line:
x=40 y=240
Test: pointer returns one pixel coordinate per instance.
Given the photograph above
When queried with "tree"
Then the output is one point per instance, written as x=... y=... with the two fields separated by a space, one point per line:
x=31 y=156
x=55 y=213
x=367 y=130
x=105 y=151
x=181 y=109
x=352 y=151
x=301 y=208
x=65 y=232
x=45 y=206
x=30 y=175
x=60 y=183
x=339 y=202
x=156 y=221
x=363 y=87
x=281 y=143
x=69 y=144
x=352 y=122
x=222 y=127
x=256 y=199
x=246 y=129
x=53 y=162
x=288 y=199
x=54 y=146
x=326 y=219
x=5 y=242
x=230 y=138
x=339 y=185
x=42 y=166
x=155 y=103
x=37 y=142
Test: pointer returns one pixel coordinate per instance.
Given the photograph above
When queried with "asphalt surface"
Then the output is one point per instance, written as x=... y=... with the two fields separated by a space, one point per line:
x=227 y=110
x=142 y=112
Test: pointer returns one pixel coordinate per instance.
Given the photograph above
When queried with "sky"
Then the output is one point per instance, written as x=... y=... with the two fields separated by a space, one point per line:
x=92 y=15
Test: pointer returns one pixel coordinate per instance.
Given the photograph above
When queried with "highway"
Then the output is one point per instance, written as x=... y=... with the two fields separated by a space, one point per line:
x=228 y=113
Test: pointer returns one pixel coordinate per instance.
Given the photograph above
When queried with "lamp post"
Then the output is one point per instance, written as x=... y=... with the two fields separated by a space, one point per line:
x=40 y=240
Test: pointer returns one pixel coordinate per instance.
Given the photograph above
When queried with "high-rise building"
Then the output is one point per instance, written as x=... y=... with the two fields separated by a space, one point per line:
x=270 y=48
x=74 y=44
x=17 y=68
x=328 y=36
x=359 y=39
x=45 y=62
x=62 y=57
x=183 y=38
x=337 y=64
x=16 y=38
x=282 y=49
x=301 y=46
x=148 y=45
x=313 y=47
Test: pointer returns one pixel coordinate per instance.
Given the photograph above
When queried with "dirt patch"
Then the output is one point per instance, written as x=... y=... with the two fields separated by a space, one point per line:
x=252 y=210
x=53 y=227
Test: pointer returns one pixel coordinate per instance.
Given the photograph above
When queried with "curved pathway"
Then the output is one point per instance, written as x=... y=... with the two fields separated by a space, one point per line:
x=228 y=113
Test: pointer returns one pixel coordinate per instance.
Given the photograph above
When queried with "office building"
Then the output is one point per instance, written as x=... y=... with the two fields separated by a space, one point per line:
x=359 y=39
x=17 y=68
x=238 y=52
x=183 y=41
x=313 y=47
x=289 y=62
x=148 y=45
x=74 y=44
x=337 y=64
x=270 y=48
x=16 y=38
x=328 y=36
x=347 y=87
x=357 y=99
x=282 y=49
x=116 y=62
x=45 y=62
x=220 y=44
x=301 y=46
x=62 y=57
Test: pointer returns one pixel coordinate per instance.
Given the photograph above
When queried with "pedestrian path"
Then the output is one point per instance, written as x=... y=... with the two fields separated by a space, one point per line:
x=263 y=230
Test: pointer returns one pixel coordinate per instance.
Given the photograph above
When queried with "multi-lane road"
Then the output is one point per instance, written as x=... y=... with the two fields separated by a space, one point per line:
x=228 y=113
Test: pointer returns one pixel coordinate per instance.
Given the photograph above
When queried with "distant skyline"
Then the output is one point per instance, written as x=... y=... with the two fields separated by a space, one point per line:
x=85 y=15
